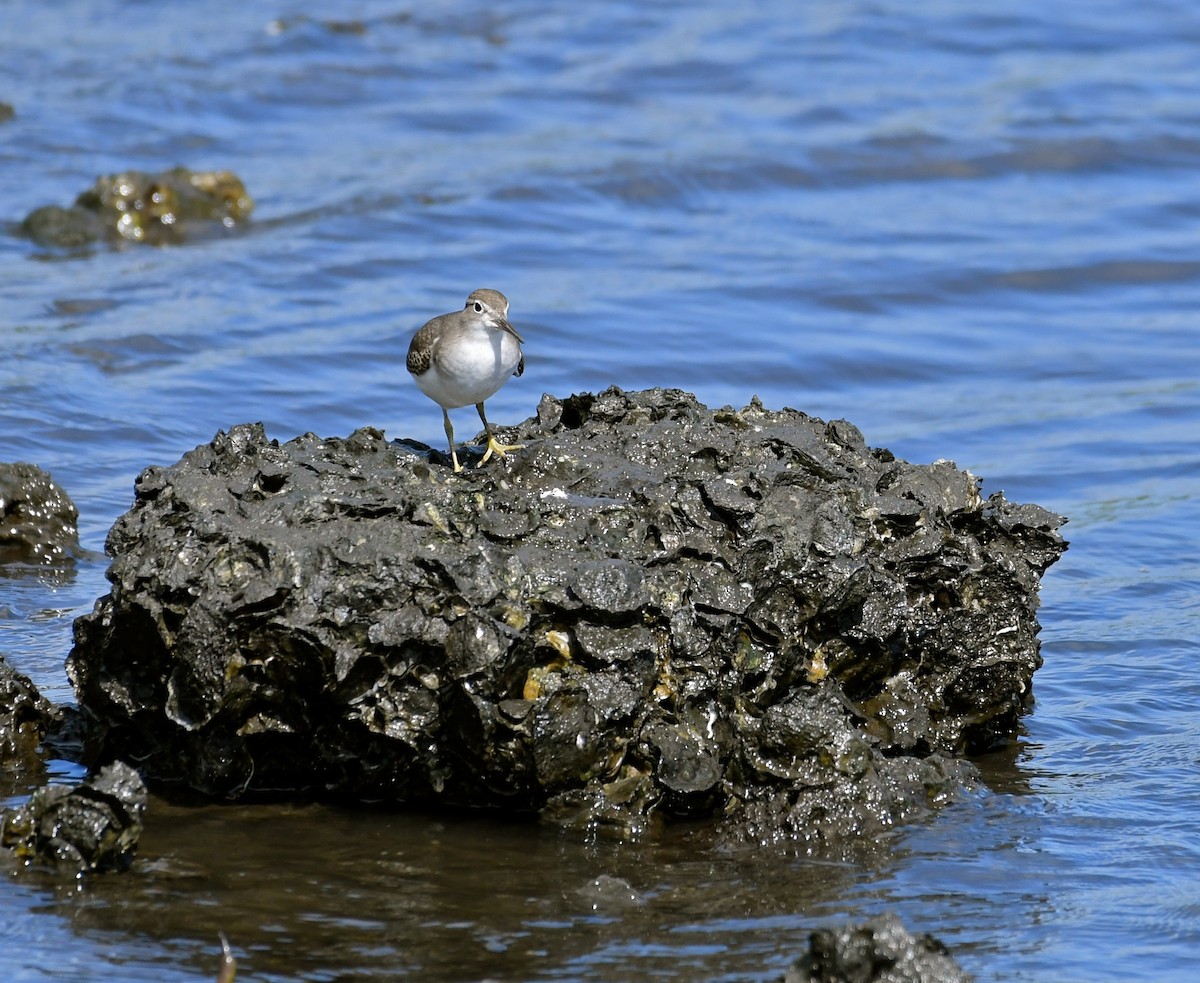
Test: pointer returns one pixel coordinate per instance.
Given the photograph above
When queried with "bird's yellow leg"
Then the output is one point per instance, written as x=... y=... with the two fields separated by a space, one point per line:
x=493 y=445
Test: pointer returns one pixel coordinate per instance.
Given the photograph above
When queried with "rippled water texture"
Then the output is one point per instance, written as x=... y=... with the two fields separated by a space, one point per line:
x=972 y=233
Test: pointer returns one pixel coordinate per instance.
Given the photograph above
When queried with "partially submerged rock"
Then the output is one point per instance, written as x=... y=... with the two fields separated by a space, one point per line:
x=94 y=826
x=26 y=717
x=38 y=520
x=657 y=610
x=880 y=950
x=136 y=206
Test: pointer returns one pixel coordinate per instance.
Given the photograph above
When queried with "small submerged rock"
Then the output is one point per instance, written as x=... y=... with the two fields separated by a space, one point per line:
x=656 y=611
x=880 y=950
x=92 y=827
x=136 y=206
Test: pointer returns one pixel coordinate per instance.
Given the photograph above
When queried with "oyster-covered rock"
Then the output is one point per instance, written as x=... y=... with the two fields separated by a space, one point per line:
x=655 y=611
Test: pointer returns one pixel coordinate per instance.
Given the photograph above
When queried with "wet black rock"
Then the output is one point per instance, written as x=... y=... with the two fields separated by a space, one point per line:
x=25 y=718
x=880 y=950
x=38 y=520
x=167 y=207
x=92 y=827
x=656 y=611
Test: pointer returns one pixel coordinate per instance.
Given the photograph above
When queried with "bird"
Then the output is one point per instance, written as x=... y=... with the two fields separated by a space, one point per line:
x=466 y=356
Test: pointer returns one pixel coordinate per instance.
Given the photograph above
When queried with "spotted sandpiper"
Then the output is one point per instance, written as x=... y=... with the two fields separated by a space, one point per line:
x=465 y=357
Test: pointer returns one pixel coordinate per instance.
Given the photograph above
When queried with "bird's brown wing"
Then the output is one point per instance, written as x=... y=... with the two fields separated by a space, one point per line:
x=420 y=349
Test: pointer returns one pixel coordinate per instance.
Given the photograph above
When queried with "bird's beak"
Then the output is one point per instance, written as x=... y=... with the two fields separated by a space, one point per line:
x=505 y=326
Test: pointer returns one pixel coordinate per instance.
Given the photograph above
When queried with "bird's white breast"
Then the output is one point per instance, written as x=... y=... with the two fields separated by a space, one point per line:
x=472 y=369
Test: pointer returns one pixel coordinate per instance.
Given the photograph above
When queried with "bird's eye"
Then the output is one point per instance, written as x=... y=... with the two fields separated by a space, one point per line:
x=478 y=307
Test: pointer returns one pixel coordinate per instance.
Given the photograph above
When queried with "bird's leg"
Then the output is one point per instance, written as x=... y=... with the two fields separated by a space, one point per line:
x=494 y=446
x=450 y=438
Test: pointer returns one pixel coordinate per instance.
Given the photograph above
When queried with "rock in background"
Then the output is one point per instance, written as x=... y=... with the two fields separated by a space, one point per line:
x=164 y=208
x=656 y=611
x=38 y=520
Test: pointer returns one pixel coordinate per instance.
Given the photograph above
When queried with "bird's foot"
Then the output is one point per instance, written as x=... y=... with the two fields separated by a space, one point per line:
x=500 y=450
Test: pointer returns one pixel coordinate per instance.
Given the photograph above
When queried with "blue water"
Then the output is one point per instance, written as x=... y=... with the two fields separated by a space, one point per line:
x=974 y=234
